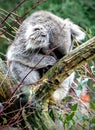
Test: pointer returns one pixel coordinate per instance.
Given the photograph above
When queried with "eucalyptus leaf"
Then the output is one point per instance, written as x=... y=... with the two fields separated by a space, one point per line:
x=70 y=117
x=74 y=107
x=92 y=105
x=4 y=121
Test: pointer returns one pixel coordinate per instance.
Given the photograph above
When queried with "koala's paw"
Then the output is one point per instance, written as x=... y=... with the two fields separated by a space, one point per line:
x=51 y=60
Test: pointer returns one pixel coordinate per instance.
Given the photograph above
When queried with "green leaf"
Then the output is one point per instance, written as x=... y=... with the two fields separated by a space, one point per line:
x=78 y=92
x=51 y=113
x=4 y=121
x=70 y=117
x=82 y=84
x=90 y=84
x=92 y=105
x=73 y=128
x=93 y=69
x=74 y=107
x=90 y=63
x=93 y=120
x=66 y=99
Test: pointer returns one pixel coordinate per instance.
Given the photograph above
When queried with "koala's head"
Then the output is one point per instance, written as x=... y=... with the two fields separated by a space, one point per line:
x=37 y=36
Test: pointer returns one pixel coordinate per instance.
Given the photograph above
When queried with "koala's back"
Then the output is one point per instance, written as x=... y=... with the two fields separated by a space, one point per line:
x=44 y=18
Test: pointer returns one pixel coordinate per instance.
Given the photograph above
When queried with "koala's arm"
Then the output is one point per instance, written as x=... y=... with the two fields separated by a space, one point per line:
x=40 y=61
x=33 y=60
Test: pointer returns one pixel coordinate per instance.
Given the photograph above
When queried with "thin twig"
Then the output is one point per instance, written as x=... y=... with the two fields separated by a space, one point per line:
x=12 y=11
x=9 y=25
x=5 y=31
x=11 y=18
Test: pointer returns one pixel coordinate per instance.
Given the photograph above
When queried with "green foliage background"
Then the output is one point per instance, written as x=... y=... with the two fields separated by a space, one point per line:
x=79 y=11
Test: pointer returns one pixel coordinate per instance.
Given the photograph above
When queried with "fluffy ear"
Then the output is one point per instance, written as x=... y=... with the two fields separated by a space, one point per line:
x=76 y=31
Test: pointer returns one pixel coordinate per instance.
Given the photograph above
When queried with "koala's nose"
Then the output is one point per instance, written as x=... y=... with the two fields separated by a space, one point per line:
x=43 y=35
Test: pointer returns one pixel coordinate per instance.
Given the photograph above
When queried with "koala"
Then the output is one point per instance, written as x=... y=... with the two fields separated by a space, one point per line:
x=24 y=57
x=40 y=32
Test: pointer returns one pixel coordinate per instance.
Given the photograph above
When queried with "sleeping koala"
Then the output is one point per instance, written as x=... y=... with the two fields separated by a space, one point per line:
x=24 y=56
x=42 y=31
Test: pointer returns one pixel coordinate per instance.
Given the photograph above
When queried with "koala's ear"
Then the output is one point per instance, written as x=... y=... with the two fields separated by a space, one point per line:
x=76 y=31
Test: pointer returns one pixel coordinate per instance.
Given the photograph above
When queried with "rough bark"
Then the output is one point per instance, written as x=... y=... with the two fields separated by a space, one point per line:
x=36 y=117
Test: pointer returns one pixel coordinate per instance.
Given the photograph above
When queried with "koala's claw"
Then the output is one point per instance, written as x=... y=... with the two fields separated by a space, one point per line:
x=51 y=60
